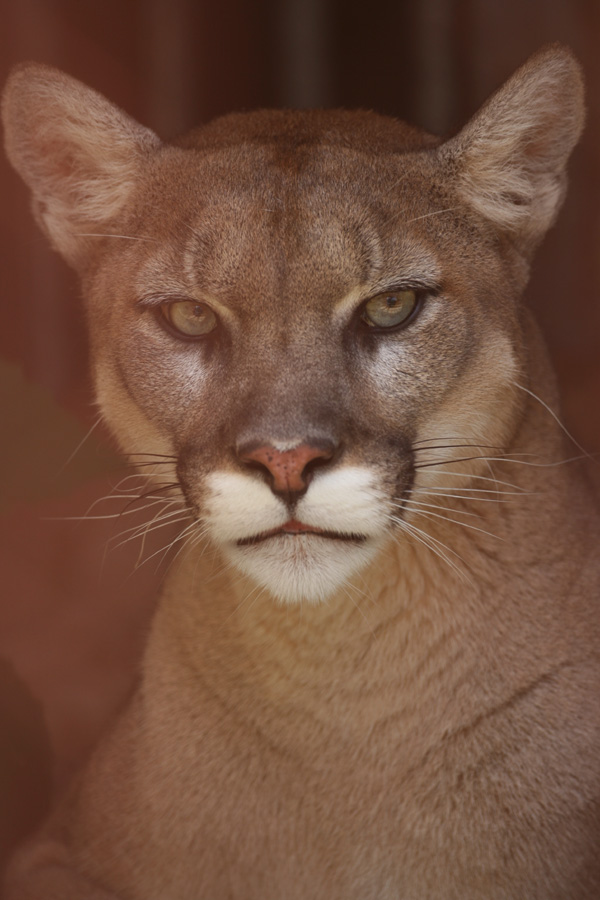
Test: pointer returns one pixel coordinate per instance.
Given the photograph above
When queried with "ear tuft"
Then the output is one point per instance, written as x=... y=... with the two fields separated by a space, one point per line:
x=511 y=157
x=78 y=153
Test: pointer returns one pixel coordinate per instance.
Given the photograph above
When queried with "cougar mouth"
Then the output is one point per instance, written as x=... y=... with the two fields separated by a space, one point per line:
x=293 y=528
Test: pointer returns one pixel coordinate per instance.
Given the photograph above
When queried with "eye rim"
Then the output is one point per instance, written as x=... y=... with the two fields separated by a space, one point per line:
x=420 y=296
x=163 y=309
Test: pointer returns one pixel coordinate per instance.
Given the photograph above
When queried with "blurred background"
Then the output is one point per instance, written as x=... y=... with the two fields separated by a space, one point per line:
x=72 y=615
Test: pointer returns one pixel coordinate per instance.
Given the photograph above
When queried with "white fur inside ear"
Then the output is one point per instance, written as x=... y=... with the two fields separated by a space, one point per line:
x=512 y=156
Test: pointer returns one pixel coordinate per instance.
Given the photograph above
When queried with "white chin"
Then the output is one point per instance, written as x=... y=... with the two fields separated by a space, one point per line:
x=305 y=567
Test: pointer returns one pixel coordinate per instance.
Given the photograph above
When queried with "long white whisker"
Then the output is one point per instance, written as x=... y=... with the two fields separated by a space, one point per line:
x=432 y=544
x=463 y=493
x=124 y=237
x=437 y=212
x=186 y=532
x=556 y=419
x=80 y=445
x=118 y=515
x=403 y=524
x=180 y=538
x=472 y=476
x=158 y=520
x=461 y=446
x=433 y=515
x=451 y=437
x=510 y=459
x=143 y=533
x=256 y=592
x=460 y=492
x=539 y=465
x=420 y=504
x=162 y=550
x=144 y=477
x=346 y=589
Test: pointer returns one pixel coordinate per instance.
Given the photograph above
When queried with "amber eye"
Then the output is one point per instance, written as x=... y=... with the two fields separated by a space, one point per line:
x=389 y=309
x=189 y=318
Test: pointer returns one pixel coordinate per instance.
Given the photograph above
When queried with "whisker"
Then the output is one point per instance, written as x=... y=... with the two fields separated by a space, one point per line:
x=151 y=484
x=151 y=463
x=437 y=212
x=346 y=586
x=123 y=237
x=420 y=504
x=504 y=459
x=88 y=434
x=160 y=519
x=472 y=476
x=179 y=538
x=455 y=447
x=556 y=419
x=140 y=562
x=170 y=456
x=84 y=518
x=163 y=550
x=199 y=536
x=154 y=525
x=154 y=490
x=142 y=531
x=425 y=535
x=136 y=498
x=540 y=465
x=443 y=492
x=458 y=459
x=447 y=437
x=257 y=590
x=433 y=515
x=432 y=544
x=194 y=540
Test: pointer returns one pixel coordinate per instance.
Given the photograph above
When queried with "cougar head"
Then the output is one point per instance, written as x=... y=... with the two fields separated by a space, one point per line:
x=304 y=314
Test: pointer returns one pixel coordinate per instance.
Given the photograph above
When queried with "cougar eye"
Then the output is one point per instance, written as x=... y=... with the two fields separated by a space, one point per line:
x=390 y=309
x=189 y=317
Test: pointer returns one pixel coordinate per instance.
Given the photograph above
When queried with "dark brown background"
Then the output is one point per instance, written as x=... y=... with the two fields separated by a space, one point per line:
x=72 y=618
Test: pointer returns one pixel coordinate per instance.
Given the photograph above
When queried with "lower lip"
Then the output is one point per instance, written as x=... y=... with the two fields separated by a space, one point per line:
x=293 y=528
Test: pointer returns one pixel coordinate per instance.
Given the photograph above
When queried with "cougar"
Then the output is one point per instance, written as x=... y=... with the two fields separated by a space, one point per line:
x=373 y=673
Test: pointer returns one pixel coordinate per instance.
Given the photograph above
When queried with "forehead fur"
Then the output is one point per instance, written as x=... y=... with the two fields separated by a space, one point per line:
x=292 y=129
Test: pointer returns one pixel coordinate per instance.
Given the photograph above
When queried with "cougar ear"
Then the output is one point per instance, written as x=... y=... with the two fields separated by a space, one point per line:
x=510 y=159
x=77 y=153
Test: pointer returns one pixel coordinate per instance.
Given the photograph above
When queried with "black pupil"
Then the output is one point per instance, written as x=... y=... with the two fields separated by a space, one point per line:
x=392 y=301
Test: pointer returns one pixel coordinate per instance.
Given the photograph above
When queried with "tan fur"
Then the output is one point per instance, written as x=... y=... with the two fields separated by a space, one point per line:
x=408 y=710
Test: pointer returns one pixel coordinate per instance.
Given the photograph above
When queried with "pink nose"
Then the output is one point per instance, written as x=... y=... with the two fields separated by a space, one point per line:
x=289 y=469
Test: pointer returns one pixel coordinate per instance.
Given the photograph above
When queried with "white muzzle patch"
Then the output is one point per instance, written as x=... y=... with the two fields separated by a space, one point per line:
x=344 y=506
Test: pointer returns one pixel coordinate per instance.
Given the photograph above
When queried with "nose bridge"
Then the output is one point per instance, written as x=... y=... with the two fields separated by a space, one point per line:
x=285 y=419
x=293 y=398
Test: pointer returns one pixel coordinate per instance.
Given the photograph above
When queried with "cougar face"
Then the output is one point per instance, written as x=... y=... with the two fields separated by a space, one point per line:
x=333 y=338
x=301 y=316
